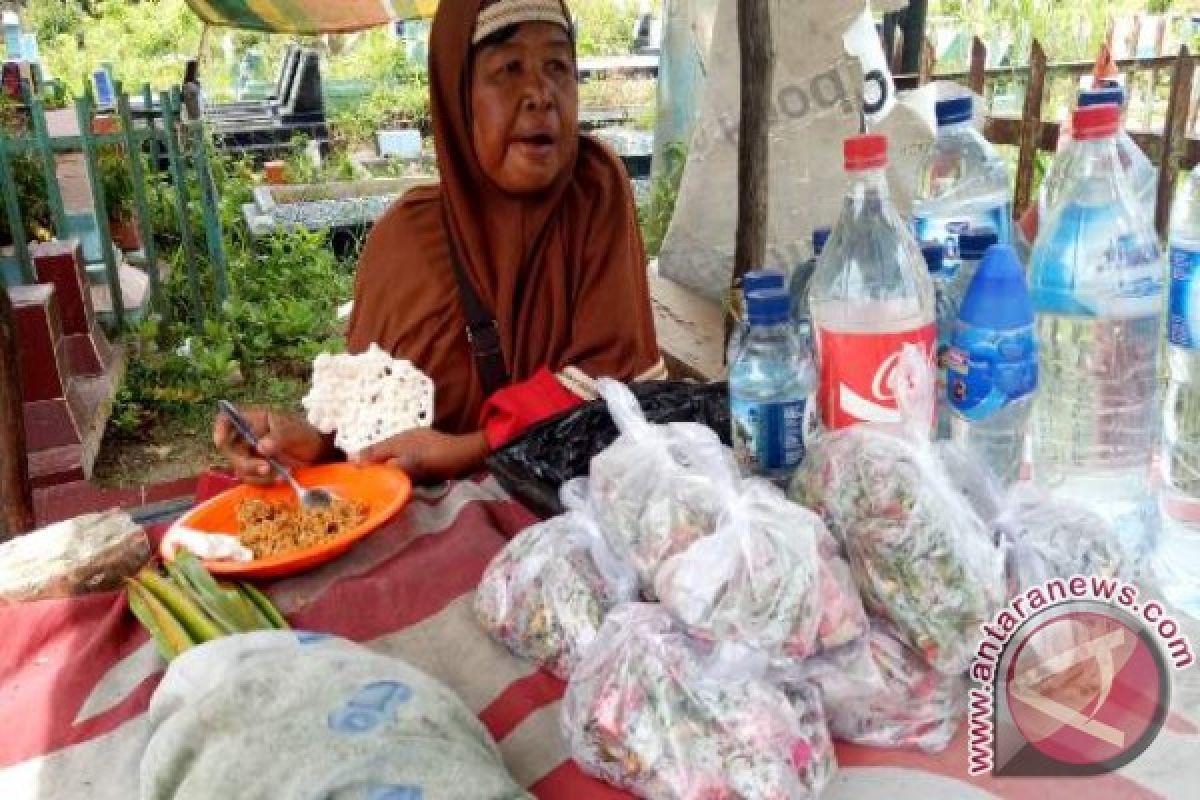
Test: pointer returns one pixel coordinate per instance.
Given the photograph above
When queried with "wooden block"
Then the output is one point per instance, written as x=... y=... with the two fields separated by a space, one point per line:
x=691 y=330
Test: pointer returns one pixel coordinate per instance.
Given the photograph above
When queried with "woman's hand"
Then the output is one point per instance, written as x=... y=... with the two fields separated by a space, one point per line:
x=288 y=438
x=428 y=455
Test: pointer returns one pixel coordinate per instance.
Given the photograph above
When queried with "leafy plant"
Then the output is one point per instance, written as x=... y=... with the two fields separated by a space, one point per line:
x=116 y=181
x=657 y=211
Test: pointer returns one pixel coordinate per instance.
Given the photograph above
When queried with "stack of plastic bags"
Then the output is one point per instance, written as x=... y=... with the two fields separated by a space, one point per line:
x=758 y=646
x=654 y=711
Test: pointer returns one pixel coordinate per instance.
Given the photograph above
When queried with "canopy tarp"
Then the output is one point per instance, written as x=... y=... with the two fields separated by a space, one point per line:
x=309 y=16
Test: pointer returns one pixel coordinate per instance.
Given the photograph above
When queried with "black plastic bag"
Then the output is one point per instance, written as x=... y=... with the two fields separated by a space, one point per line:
x=533 y=466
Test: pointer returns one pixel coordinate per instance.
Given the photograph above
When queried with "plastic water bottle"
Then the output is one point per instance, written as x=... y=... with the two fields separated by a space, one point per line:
x=1178 y=559
x=870 y=295
x=754 y=281
x=963 y=183
x=798 y=286
x=943 y=278
x=992 y=364
x=1139 y=171
x=1097 y=287
x=771 y=384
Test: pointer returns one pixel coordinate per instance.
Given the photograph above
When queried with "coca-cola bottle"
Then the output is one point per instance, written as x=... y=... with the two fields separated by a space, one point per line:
x=870 y=295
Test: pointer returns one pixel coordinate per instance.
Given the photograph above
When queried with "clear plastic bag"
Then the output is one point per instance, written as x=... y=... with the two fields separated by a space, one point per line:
x=973 y=478
x=658 y=488
x=920 y=555
x=648 y=711
x=755 y=579
x=905 y=704
x=1045 y=537
x=546 y=594
x=768 y=577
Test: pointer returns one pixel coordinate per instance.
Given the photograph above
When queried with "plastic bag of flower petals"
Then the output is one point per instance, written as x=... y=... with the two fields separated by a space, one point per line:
x=901 y=703
x=768 y=577
x=655 y=712
x=545 y=595
x=657 y=488
x=920 y=555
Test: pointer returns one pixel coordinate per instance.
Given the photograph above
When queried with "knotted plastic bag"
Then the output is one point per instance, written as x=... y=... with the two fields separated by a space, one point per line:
x=655 y=712
x=545 y=595
x=880 y=693
x=920 y=555
x=658 y=488
x=762 y=578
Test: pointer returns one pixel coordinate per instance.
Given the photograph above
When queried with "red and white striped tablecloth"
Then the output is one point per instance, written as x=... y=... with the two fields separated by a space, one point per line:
x=76 y=676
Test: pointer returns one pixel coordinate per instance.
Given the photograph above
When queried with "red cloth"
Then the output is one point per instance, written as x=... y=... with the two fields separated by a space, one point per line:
x=510 y=412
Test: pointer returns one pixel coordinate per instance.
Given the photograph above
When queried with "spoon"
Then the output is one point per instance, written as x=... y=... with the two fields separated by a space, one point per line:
x=309 y=498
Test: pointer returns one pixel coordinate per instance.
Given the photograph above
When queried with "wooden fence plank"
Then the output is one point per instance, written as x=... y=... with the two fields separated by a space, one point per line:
x=197 y=138
x=12 y=207
x=977 y=75
x=83 y=111
x=1031 y=129
x=1174 y=137
x=145 y=222
x=182 y=208
x=45 y=149
x=16 y=494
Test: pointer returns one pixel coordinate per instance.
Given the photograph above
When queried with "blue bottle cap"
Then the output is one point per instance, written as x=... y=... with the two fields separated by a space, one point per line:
x=955 y=110
x=1102 y=96
x=769 y=307
x=819 y=237
x=761 y=279
x=998 y=297
x=973 y=243
x=935 y=256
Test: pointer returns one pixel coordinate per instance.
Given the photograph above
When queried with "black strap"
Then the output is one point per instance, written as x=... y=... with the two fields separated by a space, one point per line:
x=483 y=334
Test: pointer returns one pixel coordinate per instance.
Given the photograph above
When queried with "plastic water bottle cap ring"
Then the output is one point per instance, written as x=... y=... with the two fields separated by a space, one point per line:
x=1095 y=122
x=865 y=151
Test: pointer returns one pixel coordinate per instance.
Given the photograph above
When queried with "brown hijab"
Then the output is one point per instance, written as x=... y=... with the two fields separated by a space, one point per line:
x=564 y=271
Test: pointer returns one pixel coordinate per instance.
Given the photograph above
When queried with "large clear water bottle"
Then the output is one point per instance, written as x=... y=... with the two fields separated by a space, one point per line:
x=758 y=280
x=870 y=295
x=1178 y=559
x=992 y=364
x=963 y=183
x=1097 y=284
x=771 y=384
x=798 y=286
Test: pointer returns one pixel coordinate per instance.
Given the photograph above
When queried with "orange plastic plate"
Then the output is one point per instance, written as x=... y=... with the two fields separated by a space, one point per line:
x=385 y=490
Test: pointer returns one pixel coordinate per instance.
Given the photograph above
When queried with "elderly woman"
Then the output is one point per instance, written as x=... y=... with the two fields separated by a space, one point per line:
x=515 y=279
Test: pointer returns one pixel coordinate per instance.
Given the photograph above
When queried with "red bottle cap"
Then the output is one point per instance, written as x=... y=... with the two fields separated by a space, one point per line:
x=867 y=151
x=1096 y=122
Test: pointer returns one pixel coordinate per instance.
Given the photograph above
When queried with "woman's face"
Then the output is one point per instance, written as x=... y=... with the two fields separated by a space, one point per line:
x=524 y=107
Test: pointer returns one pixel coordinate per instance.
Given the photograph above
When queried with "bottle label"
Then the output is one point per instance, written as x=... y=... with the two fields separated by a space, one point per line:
x=856 y=373
x=770 y=436
x=988 y=370
x=1078 y=269
x=947 y=230
x=1184 y=321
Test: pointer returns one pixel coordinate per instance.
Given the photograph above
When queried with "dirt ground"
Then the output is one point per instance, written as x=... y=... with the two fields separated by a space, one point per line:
x=169 y=452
